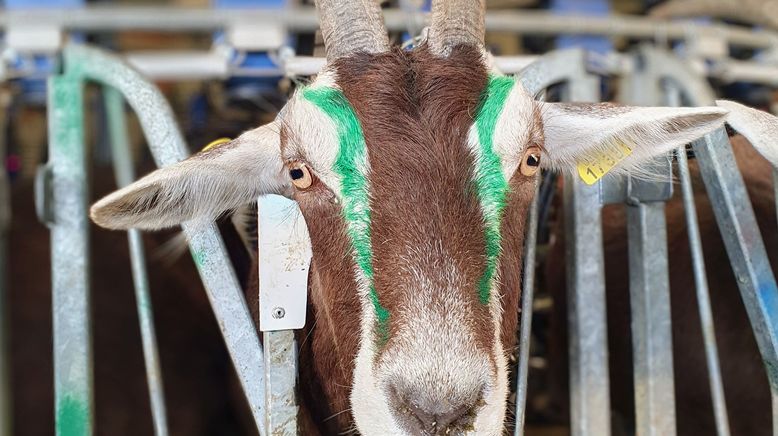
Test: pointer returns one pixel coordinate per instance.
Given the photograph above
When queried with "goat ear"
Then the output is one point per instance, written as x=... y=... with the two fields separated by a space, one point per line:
x=581 y=132
x=201 y=187
x=759 y=127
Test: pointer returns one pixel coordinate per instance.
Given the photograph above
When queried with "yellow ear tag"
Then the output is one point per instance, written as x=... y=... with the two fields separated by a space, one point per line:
x=216 y=143
x=597 y=164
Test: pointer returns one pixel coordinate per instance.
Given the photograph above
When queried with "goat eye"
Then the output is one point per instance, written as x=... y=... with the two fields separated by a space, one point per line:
x=301 y=176
x=530 y=163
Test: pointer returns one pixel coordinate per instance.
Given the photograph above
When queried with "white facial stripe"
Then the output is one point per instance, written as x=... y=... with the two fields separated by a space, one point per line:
x=515 y=128
x=494 y=410
x=424 y=345
x=369 y=402
x=313 y=136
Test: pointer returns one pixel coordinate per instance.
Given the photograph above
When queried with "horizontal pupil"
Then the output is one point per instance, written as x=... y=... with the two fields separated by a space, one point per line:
x=296 y=173
x=533 y=160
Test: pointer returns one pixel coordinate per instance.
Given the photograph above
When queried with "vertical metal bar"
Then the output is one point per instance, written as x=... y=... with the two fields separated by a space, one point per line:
x=123 y=169
x=589 y=382
x=6 y=426
x=205 y=243
x=649 y=277
x=70 y=259
x=737 y=223
x=775 y=189
x=745 y=247
x=284 y=262
x=280 y=375
x=527 y=293
x=651 y=331
x=701 y=284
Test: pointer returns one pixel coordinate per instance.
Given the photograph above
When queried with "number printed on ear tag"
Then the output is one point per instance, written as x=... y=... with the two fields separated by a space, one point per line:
x=597 y=164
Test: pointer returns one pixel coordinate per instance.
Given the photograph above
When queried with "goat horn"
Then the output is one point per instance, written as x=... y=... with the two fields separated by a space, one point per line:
x=351 y=26
x=456 y=22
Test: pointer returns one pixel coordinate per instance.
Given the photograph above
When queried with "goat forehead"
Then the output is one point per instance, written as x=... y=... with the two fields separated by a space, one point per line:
x=391 y=135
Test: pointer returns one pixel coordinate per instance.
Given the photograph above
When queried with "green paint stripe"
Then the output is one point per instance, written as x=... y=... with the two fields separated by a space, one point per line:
x=72 y=417
x=351 y=165
x=491 y=186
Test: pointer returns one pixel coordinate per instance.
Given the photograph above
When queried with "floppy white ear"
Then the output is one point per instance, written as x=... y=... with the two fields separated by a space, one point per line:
x=579 y=132
x=201 y=187
x=759 y=127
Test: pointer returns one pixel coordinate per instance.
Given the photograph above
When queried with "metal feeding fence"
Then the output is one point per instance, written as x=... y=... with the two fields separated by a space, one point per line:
x=266 y=369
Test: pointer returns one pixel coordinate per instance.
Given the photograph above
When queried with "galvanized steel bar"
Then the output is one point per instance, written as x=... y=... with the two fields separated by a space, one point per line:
x=775 y=188
x=125 y=174
x=649 y=285
x=589 y=383
x=70 y=258
x=588 y=338
x=284 y=262
x=737 y=223
x=746 y=250
x=304 y=19
x=649 y=276
x=590 y=400
x=527 y=293
x=205 y=243
x=703 y=297
x=6 y=426
x=558 y=66
x=219 y=64
x=280 y=376
x=701 y=281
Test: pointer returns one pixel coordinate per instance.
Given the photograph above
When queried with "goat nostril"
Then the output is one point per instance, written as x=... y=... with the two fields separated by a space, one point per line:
x=434 y=422
x=433 y=417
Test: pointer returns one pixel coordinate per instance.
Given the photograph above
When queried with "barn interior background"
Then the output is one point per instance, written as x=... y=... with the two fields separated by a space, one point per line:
x=214 y=69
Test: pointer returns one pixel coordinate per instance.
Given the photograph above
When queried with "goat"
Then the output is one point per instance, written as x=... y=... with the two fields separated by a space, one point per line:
x=414 y=171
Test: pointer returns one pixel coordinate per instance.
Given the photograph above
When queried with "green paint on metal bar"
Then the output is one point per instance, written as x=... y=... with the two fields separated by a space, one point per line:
x=491 y=186
x=352 y=166
x=72 y=417
x=199 y=258
x=70 y=254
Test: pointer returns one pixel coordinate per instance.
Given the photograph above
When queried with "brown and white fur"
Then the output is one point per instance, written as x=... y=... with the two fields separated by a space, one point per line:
x=443 y=366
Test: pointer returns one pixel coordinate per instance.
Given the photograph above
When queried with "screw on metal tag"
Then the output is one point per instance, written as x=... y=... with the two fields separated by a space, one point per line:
x=598 y=163
x=284 y=259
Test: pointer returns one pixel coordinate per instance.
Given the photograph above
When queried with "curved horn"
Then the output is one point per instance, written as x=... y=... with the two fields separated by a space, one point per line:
x=351 y=26
x=456 y=22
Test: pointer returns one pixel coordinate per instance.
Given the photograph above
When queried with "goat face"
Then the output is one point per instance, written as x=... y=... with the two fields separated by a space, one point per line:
x=414 y=171
x=418 y=202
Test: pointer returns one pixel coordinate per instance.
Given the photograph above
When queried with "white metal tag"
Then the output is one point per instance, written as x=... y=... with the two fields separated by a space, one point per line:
x=284 y=259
